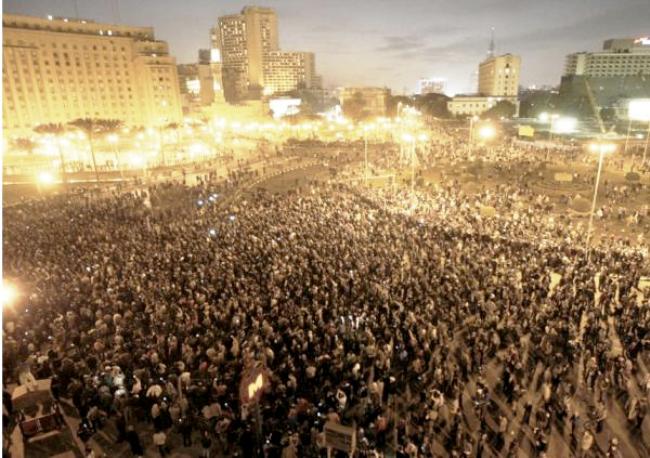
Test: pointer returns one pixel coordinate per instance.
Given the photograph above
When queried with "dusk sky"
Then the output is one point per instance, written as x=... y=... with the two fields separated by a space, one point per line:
x=389 y=42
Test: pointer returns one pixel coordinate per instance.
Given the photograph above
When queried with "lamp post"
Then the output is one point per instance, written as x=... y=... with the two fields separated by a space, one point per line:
x=365 y=155
x=487 y=132
x=472 y=120
x=627 y=135
x=113 y=139
x=9 y=293
x=601 y=149
x=64 y=178
x=647 y=142
x=411 y=140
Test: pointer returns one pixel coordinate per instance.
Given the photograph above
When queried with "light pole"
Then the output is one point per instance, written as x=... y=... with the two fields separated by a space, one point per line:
x=113 y=139
x=9 y=293
x=411 y=140
x=365 y=155
x=601 y=149
x=472 y=120
x=647 y=142
x=627 y=136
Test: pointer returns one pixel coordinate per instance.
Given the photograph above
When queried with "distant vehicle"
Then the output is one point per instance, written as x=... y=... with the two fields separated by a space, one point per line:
x=41 y=422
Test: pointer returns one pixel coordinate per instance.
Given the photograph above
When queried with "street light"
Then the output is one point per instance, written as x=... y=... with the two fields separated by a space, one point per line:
x=411 y=139
x=45 y=178
x=601 y=149
x=487 y=132
x=366 y=128
x=639 y=110
x=9 y=293
x=472 y=120
x=113 y=139
x=563 y=125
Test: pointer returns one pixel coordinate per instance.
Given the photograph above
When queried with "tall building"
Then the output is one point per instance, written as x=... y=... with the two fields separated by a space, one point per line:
x=196 y=83
x=498 y=81
x=58 y=69
x=619 y=57
x=431 y=86
x=498 y=76
x=593 y=81
x=244 y=42
x=251 y=63
x=289 y=70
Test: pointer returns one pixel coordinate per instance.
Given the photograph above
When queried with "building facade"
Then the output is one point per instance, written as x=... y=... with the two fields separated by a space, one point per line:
x=56 y=70
x=248 y=59
x=374 y=100
x=619 y=57
x=244 y=42
x=289 y=70
x=431 y=86
x=476 y=105
x=593 y=81
x=498 y=76
x=196 y=86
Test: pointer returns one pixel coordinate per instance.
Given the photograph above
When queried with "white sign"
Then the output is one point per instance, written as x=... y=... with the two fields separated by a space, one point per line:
x=555 y=280
x=339 y=437
x=644 y=283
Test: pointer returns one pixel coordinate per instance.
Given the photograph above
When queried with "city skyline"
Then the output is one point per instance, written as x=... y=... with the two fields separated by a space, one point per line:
x=381 y=43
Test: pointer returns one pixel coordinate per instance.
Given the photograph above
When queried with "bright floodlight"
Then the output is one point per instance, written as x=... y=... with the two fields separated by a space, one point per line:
x=9 y=293
x=112 y=138
x=136 y=160
x=639 y=110
x=564 y=125
x=604 y=148
x=487 y=132
x=544 y=117
x=423 y=137
x=45 y=178
x=407 y=137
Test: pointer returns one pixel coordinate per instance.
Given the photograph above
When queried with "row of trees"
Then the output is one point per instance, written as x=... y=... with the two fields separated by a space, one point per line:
x=434 y=105
x=93 y=128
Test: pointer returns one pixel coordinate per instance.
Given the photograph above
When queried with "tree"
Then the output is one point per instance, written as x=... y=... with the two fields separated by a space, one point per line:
x=535 y=103
x=502 y=109
x=55 y=130
x=433 y=105
x=93 y=127
x=25 y=144
x=394 y=101
x=355 y=107
x=174 y=126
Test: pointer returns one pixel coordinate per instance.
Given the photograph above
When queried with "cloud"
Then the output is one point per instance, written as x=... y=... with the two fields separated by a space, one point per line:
x=401 y=43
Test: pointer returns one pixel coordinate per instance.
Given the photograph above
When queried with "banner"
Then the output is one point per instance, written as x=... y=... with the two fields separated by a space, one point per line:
x=555 y=280
x=563 y=177
x=526 y=131
x=488 y=211
x=340 y=437
x=644 y=283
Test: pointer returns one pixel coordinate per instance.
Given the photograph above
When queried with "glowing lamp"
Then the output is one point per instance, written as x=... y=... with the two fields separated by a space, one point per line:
x=639 y=109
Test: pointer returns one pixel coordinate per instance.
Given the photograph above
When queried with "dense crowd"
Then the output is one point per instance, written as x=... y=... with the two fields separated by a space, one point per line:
x=432 y=328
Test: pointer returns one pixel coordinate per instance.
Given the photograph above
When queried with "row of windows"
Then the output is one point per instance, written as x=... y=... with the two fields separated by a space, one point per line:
x=57 y=27
x=54 y=45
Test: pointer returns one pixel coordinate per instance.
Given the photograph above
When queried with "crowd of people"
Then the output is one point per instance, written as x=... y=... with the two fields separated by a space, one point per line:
x=431 y=328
